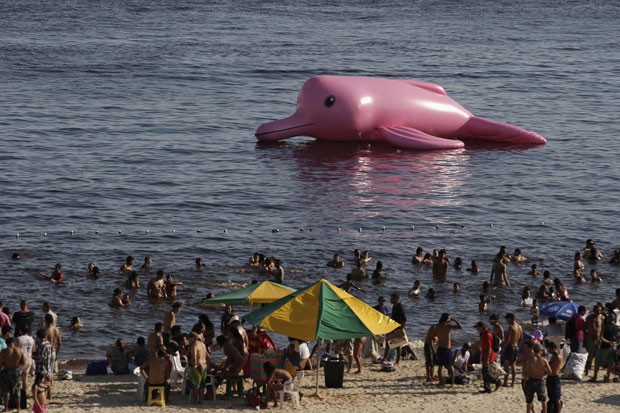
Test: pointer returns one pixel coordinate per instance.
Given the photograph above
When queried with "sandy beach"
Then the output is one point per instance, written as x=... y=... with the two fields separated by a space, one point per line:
x=373 y=390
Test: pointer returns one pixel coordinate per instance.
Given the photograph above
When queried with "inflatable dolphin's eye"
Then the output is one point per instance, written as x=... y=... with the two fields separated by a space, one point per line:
x=329 y=102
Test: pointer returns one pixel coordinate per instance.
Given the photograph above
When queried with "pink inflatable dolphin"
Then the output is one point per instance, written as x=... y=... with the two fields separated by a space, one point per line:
x=405 y=113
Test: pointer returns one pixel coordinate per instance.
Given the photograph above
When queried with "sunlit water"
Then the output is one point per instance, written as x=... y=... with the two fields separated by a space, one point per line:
x=122 y=117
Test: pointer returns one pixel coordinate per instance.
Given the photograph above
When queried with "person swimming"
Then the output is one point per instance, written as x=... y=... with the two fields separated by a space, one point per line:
x=415 y=290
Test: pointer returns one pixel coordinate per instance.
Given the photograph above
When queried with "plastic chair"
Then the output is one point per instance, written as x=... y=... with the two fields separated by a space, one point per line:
x=156 y=401
x=292 y=389
x=141 y=383
x=178 y=370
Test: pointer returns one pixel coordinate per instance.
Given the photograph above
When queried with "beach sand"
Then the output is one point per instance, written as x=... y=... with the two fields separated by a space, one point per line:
x=371 y=391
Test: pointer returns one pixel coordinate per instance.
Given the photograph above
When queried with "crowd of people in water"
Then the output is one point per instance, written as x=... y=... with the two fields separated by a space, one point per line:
x=29 y=347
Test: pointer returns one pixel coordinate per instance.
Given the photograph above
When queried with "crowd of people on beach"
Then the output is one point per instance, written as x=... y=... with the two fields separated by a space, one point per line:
x=170 y=350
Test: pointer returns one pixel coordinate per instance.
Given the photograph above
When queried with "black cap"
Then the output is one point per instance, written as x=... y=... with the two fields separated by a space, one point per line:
x=479 y=324
x=510 y=316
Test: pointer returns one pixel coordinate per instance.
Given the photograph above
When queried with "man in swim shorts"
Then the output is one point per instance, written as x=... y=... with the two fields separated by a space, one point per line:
x=11 y=362
x=554 y=387
x=510 y=347
x=443 y=331
x=535 y=366
x=430 y=353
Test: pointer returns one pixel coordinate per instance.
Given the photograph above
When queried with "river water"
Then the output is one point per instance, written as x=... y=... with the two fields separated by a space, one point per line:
x=131 y=123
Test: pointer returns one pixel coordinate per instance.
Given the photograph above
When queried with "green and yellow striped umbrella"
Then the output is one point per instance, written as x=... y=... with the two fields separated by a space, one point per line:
x=321 y=311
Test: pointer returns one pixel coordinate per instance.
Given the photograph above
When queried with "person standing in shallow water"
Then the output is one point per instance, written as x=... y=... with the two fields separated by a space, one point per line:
x=440 y=265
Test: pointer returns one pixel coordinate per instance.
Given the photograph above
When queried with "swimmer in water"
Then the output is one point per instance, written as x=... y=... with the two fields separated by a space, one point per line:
x=126 y=300
x=117 y=300
x=483 y=304
x=200 y=263
x=148 y=263
x=127 y=267
x=474 y=267
x=415 y=290
x=76 y=323
x=534 y=271
x=517 y=257
x=171 y=286
x=56 y=276
x=430 y=294
x=456 y=288
x=337 y=262
x=418 y=258
x=458 y=263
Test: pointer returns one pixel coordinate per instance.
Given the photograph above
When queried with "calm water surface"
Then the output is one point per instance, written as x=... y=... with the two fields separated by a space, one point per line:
x=122 y=117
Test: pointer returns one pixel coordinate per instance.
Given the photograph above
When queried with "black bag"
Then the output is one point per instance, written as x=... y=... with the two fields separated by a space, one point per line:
x=23 y=400
x=570 y=327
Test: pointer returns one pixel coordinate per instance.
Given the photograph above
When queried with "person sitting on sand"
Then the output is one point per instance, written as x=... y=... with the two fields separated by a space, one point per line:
x=415 y=290
x=157 y=370
x=474 y=269
x=117 y=299
x=127 y=267
x=534 y=271
x=118 y=358
x=460 y=361
x=275 y=381
x=337 y=262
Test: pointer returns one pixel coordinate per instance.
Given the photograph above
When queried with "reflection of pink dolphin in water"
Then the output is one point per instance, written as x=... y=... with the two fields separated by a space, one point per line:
x=406 y=113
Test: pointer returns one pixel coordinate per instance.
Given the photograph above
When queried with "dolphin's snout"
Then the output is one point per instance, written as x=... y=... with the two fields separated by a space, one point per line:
x=294 y=125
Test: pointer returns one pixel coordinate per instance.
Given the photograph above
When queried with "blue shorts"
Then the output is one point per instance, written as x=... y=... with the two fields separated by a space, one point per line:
x=444 y=357
x=511 y=353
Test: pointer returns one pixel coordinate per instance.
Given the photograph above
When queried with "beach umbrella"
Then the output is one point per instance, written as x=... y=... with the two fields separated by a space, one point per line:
x=562 y=310
x=321 y=311
x=258 y=293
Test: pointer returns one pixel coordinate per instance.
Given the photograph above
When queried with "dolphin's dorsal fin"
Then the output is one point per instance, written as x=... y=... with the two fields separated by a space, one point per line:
x=425 y=85
x=416 y=139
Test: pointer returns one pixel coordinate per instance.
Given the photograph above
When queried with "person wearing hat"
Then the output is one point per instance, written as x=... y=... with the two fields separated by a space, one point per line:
x=170 y=319
x=510 y=347
x=487 y=357
x=535 y=367
x=238 y=336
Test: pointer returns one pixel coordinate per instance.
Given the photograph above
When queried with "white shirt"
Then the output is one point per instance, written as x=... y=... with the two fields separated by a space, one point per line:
x=304 y=351
x=26 y=343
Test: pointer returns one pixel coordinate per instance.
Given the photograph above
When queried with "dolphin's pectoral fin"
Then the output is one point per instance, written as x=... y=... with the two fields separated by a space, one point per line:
x=432 y=87
x=488 y=130
x=416 y=139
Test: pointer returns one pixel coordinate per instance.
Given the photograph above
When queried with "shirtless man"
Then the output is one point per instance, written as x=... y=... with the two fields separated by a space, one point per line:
x=359 y=272
x=170 y=319
x=127 y=267
x=11 y=362
x=348 y=285
x=443 y=331
x=155 y=340
x=197 y=361
x=440 y=267
x=157 y=370
x=53 y=336
x=336 y=262
x=554 y=389
x=430 y=350
x=117 y=299
x=535 y=366
x=510 y=347
x=156 y=287
x=593 y=329
x=234 y=360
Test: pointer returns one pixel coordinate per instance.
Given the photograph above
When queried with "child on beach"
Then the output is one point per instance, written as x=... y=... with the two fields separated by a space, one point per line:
x=39 y=394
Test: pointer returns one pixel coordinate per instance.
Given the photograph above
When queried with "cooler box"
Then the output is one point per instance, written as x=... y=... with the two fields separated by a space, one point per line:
x=334 y=373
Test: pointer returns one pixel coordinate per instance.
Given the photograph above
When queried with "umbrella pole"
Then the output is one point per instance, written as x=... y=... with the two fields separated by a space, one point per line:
x=318 y=367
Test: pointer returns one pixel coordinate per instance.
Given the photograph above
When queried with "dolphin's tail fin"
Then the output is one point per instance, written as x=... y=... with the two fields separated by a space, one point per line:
x=488 y=130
